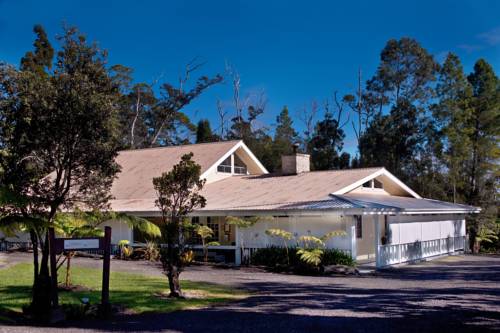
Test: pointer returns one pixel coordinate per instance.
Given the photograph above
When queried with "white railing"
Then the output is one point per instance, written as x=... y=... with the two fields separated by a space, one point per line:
x=399 y=253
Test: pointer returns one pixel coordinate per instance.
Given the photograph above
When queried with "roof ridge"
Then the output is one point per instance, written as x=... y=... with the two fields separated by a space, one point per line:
x=177 y=146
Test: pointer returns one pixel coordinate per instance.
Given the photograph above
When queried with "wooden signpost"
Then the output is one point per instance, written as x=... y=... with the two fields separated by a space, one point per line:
x=59 y=245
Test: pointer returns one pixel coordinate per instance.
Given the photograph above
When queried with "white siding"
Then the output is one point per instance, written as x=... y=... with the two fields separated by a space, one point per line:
x=119 y=231
x=412 y=228
x=19 y=237
x=415 y=237
x=255 y=236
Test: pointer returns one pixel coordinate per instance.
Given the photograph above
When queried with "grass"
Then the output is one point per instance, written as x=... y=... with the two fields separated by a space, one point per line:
x=137 y=293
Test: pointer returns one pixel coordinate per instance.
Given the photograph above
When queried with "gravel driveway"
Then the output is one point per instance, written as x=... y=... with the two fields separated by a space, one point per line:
x=451 y=294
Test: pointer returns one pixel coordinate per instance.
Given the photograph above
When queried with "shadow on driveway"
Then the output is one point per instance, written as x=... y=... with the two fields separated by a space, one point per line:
x=457 y=294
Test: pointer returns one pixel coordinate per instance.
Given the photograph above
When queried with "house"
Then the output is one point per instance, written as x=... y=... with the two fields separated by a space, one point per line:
x=384 y=220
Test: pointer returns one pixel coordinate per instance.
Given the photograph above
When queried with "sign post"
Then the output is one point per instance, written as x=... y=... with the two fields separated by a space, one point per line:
x=53 y=268
x=59 y=245
x=105 y=271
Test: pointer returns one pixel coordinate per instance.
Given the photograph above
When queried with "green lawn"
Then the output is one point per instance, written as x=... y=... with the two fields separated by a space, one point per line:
x=133 y=291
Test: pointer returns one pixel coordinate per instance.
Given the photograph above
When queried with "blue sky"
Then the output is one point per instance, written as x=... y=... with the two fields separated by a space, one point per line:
x=295 y=51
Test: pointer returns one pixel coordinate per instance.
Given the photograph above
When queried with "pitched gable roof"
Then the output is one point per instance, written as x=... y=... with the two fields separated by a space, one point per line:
x=388 y=178
x=260 y=192
x=140 y=166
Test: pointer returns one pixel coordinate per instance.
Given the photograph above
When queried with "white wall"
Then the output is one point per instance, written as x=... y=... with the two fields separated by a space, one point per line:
x=19 y=237
x=119 y=231
x=366 y=244
x=256 y=237
x=412 y=228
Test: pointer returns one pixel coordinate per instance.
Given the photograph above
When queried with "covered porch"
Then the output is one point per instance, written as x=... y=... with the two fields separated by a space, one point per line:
x=243 y=242
x=389 y=239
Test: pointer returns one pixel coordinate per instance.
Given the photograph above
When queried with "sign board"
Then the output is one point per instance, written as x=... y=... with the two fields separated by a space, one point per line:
x=75 y=244
x=80 y=244
x=59 y=245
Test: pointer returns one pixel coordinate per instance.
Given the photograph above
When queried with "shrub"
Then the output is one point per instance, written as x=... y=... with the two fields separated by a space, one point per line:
x=275 y=258
x=336 y=257
x=272 y=256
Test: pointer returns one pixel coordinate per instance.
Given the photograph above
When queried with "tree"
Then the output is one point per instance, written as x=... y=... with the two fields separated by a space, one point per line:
x=39 y=61
x=452 y=114
x=483 y=171
x=312 y=249
x=177 y=195
x=61 y=124
x=326 y=143
x=166 y=117
x=285 y=137
x=286 y=236
x=403 y=86
x=204 y=132
x=88 y=224
x=136 y=104
x=205 y=233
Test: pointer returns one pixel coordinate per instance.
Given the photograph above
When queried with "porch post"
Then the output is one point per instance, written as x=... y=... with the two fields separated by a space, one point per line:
x=378 y=260
x=351 y=231
x=237 y=251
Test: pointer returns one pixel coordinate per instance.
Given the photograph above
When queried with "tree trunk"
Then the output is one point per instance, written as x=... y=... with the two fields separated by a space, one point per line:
x=68 y=267
x=34 y=244
x=174 y=282
x=205 y=251
x=41 y=300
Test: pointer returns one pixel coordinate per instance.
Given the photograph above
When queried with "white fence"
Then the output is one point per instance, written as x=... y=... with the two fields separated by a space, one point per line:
x=399 y=253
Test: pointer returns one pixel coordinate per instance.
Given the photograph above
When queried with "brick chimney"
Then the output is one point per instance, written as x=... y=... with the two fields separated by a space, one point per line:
x=295 y=163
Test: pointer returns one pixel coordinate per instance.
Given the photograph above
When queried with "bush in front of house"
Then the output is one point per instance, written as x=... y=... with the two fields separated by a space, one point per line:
x=336 y=257
x=275 y=258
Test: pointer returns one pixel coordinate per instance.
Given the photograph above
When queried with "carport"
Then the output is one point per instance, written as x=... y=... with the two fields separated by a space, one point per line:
x=393 y=230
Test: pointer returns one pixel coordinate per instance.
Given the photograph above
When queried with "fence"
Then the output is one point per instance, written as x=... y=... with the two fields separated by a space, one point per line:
x=400 y=253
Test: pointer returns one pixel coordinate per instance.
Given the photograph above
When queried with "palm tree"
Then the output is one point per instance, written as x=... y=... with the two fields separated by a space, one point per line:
x=87 y=224
x=205 y=233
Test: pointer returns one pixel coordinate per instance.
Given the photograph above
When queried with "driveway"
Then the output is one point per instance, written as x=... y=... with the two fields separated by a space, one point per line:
x=451 y=294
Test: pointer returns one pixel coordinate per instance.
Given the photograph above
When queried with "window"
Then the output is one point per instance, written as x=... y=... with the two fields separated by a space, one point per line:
x=368 y=184
x=359 y=226
x=225 y=166
x=377 y=184
x=239 y=167
x=215 y=228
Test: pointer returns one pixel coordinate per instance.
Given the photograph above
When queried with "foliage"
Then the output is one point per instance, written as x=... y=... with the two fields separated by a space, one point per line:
x=61 y=123
x=244 y=223
x=309 y=241
x=284 y=235
x=326 y=143
x=204 y=132
x=281 y=259
x=152 y=251
x=125 y=249
x=178 y=194
x=312 y=248
x=403 y=86
x=187 y=257
x=148 y=119
x=285 y=137
x=310 y=256
x=205 y=233
x=336 y=257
